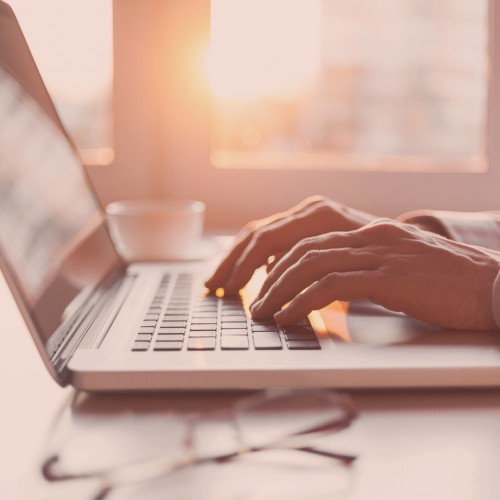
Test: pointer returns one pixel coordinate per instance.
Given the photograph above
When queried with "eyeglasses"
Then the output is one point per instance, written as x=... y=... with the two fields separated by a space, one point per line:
x=268 y=420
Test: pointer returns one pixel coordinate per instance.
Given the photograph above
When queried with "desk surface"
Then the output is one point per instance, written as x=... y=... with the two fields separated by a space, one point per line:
x=417 y=444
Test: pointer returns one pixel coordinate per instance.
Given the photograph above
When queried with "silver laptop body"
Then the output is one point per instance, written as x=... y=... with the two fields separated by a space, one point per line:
x=98 y=322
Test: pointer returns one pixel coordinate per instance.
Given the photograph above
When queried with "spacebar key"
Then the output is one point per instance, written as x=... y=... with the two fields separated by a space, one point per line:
x=267 y=340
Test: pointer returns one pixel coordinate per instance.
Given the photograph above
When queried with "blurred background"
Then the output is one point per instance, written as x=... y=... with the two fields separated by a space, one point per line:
x=398 y=86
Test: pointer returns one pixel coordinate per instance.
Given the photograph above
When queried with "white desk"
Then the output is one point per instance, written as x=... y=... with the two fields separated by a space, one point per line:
x=29 y=398
x=415 y=445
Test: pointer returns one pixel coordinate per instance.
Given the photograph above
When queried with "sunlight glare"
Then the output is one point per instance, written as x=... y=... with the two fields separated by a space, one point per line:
x=263 y=48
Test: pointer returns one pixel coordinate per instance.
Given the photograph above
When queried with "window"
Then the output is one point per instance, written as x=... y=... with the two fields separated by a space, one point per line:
x=349 y=84
x=168 y=129
x=72 y=45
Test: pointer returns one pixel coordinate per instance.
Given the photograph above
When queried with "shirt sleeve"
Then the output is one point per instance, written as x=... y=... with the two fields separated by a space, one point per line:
x=496 y=300
x=474 y=228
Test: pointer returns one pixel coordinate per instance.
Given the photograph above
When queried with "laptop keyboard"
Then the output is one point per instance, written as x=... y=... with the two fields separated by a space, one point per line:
x=180 y=319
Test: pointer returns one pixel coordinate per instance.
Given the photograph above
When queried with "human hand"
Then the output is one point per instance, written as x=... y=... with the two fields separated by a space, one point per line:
x=397 y=266
x=274 y=236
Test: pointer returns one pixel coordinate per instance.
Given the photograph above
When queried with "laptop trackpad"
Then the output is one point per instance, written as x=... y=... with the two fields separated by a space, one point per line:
x=361 y=322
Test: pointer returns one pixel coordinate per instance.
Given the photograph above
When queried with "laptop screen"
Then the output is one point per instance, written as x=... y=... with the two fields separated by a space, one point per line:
x=52 y=233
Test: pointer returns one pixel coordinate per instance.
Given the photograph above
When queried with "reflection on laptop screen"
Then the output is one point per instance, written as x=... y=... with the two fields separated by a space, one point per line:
x=52 y=235
x=44 y=202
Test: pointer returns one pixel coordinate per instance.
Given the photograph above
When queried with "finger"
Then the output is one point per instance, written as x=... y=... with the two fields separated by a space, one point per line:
x=315 y=265
x=329 y=241
x=242 y=239
x=336 y=286
x=224 y=270
x=287 y=261
x=277 y=237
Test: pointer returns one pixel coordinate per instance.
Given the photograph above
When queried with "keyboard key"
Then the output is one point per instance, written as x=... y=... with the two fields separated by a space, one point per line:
x=149 y=323
x=177 y=317
x=144 y=336
x=303 y=344
x=232 y=332
x=236 y=309
x=171 y=331
x=205 y=309
x=300 y=335
x=264 y=322
x=211 y=314
x=178 y=310
x=299 y=332
x=234 y=319
x=140 y=345
x=231 y=304
x=146 y=329
x=298 y=329
x=265 y=328
x=203 y=321
x=201 y=344
x=203 y=326
x=233 y=325
x=179 y=304
x=167 y=346
x=170 y=338
x=173 y=324
x=267 y=340
x=202 y=333
x=206 y=301
x=231 y=300
x=234 y=343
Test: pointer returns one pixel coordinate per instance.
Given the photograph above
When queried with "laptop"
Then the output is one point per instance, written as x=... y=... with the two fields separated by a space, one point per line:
x=101 y=324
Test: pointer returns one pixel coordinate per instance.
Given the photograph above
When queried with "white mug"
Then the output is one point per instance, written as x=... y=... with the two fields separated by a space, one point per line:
x=156 y=230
